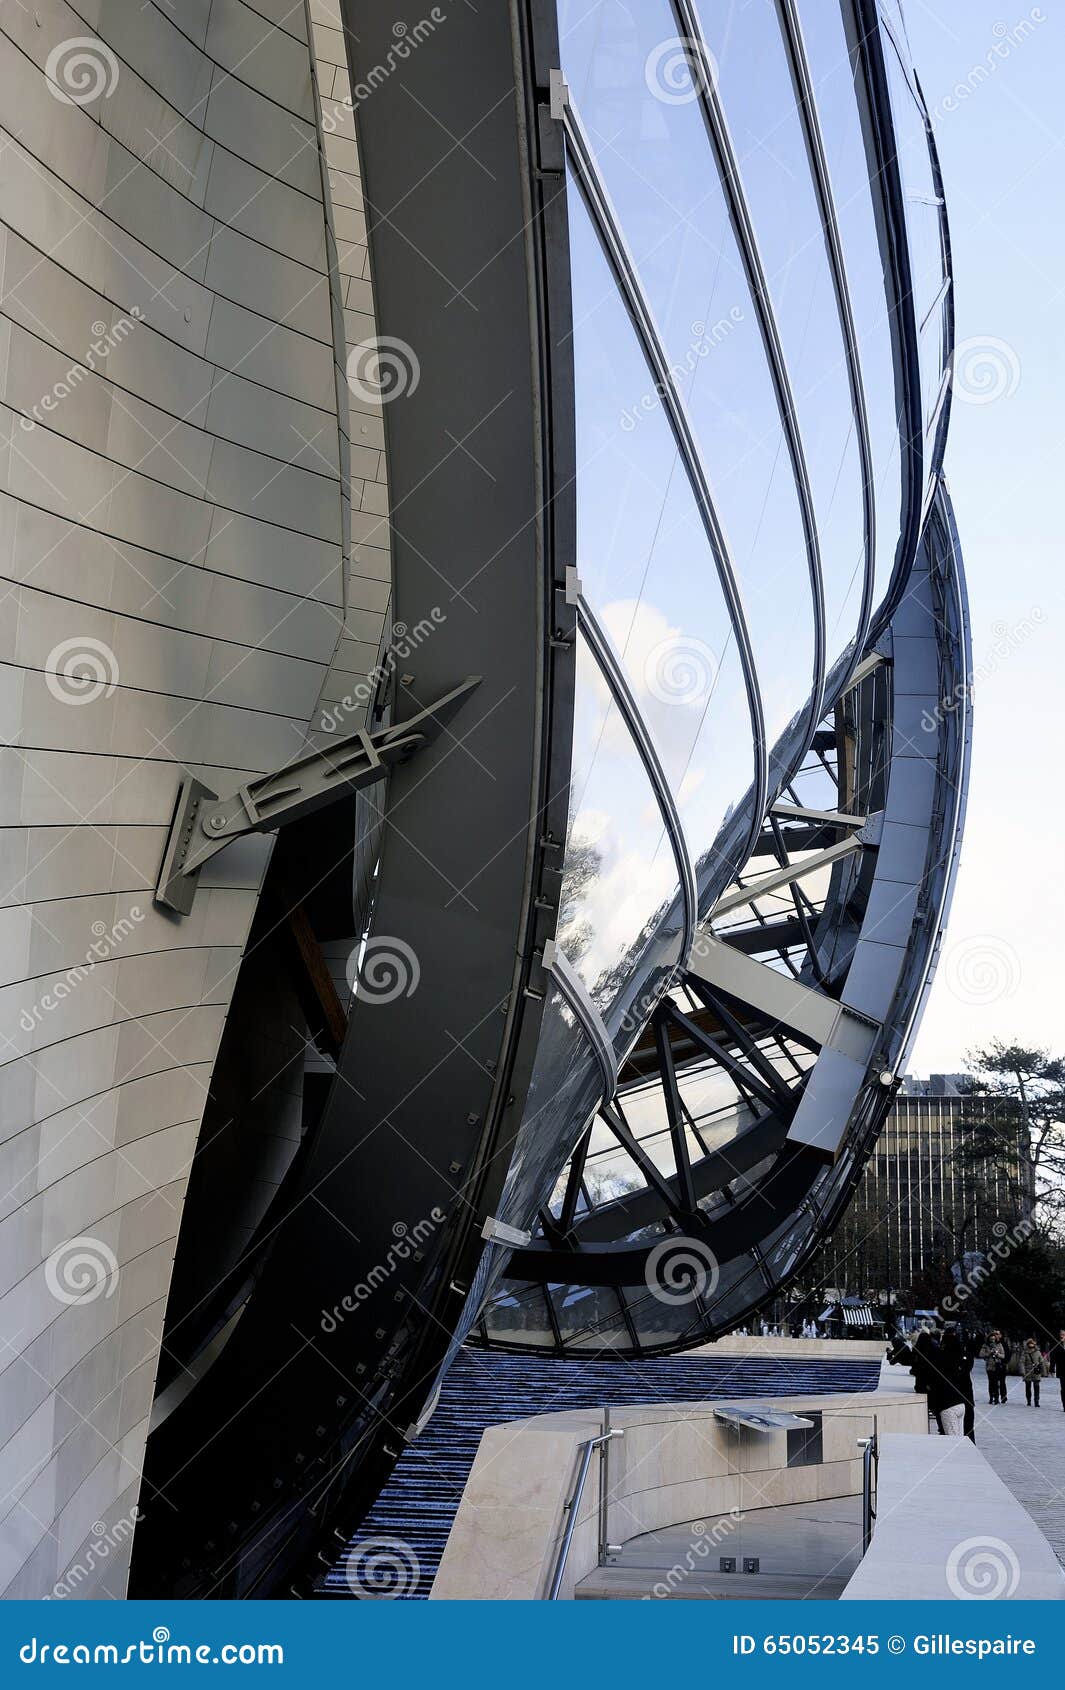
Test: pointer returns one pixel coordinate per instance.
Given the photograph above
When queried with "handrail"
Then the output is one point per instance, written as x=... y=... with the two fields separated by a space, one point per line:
x=868 y=1448
x=570 y=1508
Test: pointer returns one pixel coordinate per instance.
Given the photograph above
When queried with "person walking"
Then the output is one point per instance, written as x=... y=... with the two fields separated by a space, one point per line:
x=1056 y=1361
x=1033 y=1369
x=996 y=1355
x=924 y=1361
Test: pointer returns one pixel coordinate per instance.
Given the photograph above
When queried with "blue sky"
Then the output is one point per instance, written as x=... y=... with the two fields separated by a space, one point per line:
x=993 y=78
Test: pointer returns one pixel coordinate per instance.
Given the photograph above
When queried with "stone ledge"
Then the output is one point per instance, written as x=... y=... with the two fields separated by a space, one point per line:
x=948 y=1529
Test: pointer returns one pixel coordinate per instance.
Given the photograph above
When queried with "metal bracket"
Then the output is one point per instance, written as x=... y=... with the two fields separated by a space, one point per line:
x=880 y=652
x=204 y=824
x=498 y=1232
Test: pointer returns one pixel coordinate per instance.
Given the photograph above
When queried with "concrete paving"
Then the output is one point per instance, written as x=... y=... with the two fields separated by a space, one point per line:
x=1026 y=1447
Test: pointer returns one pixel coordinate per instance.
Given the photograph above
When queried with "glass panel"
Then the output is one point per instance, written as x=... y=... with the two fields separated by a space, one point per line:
x=653 y=154
x=564 y=1089
x=589 y=1317
x=520 y=1313
x=769 y=142
x=620 y=919
x=645 y=563
x=609 y=1171
x=659 y=1322
x=841 y=110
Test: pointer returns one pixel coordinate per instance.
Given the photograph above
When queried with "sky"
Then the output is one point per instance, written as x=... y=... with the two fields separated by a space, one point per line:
x=992 y=77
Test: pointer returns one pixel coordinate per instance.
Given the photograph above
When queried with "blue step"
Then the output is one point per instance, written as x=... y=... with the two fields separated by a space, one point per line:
x=417 y=1506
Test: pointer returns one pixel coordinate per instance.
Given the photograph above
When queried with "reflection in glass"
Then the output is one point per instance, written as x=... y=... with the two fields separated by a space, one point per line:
x=619 y=924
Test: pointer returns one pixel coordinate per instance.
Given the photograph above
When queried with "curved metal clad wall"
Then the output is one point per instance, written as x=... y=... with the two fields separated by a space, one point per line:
x=173 y=533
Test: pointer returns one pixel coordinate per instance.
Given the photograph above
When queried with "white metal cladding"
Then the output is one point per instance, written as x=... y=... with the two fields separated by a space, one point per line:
x=173 y=523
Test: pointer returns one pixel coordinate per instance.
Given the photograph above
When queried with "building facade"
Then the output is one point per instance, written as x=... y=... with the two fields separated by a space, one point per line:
x=938 y=1203
x=483 y=760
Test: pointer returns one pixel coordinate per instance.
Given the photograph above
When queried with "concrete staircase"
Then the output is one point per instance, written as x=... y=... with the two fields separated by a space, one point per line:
x=484 y=1388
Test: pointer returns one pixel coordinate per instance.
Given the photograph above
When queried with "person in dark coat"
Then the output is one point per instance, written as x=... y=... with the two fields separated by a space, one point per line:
x=996 y=1355
x=924 y=1361
x=1056 y=1361
x=957 y=1366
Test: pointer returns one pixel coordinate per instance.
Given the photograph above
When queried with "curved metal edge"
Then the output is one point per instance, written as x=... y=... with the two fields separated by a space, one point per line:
x=690 y=24
x=557 y=964
x=608 y=228
x=939 y=422
x=961 y=790
x=939 y=444
x=806 y=100
x=614 y=676
x=869 y=46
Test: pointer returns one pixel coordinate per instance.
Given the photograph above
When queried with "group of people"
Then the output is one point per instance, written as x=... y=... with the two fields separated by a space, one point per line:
x=942 y=1366
x=1034 y=1361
